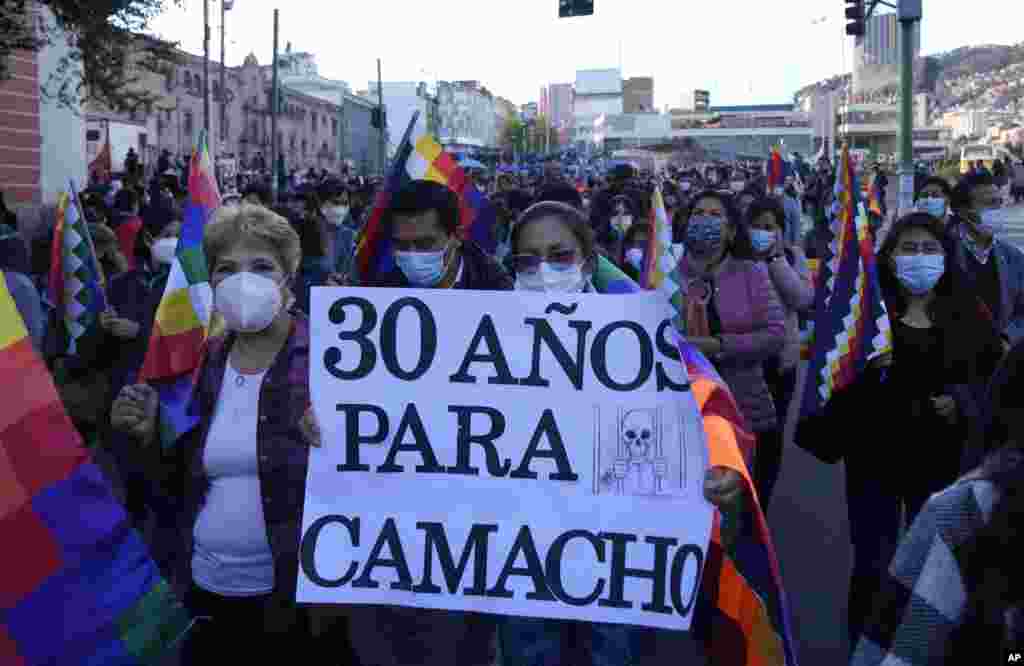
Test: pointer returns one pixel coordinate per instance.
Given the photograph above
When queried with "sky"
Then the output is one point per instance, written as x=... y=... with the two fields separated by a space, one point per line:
x=743 y=51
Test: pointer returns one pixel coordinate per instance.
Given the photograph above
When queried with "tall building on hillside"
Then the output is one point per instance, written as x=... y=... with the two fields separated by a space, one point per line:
x=877 y=53
x=560 y=102
x=638 y=95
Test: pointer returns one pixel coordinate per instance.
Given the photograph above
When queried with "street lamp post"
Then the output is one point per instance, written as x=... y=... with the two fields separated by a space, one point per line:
x=909 y=14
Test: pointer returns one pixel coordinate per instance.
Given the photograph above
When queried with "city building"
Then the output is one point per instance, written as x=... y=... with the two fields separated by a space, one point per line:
x=877 y=53
x=821 y=107
x=402 y=99
x=43 y=143
x=528 y=112
x=638 y=95
x=598 y=92
x=321 y=124
x=701 y=100
x=560 y=97
x=468 y=120
x=731 y=132
x=631 y=130
x=875 y=128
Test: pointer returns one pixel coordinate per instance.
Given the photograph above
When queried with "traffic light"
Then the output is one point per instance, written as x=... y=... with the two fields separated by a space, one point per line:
x=855 y=17
x=570 y=8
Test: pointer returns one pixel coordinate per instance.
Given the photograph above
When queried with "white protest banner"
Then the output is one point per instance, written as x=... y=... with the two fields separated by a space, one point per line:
x=511 y=453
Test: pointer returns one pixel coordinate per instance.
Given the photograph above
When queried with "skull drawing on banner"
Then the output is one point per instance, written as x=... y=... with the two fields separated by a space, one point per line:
x=639 y=468
x=638 y=434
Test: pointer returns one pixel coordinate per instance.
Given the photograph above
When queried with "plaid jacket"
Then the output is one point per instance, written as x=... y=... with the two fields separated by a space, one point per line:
x=928 y=608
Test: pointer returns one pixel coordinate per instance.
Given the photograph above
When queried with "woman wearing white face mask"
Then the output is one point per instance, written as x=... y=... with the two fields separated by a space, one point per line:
x=919 y=403
x=634 y=250
x=235 y=483
x=554 y=251
x=341 y=235
x=764 y=222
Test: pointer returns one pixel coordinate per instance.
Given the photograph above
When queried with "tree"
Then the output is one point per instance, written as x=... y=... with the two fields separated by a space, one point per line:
x=110 y=54
x=513 y=134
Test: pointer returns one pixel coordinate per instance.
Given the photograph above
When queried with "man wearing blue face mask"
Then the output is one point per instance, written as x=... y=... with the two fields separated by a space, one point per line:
x=933 y=197
x=423 y=221
x=993 y=266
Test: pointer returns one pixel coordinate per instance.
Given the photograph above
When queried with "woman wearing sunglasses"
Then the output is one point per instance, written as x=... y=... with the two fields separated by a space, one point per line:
x=553 y=250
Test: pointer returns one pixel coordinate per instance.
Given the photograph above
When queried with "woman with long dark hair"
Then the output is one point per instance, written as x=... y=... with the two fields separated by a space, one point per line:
x=954 y=593
x=764 y=224
x=905 y=420
x=732 y=311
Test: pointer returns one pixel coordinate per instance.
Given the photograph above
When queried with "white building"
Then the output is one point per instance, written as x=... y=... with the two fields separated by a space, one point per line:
x=598 y=92
x=631 y=130
x=468 y=116
x=402 y=99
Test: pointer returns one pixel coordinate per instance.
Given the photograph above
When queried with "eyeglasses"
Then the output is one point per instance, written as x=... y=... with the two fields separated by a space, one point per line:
x=530 y=263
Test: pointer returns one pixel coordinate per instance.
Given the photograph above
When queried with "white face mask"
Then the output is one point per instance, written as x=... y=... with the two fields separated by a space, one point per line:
x=163 y=250
x=552 y=280
x=335 y=214
x=248 y=302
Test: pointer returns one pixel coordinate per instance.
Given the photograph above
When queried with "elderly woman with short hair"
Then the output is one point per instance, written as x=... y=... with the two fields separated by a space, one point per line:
x=234 y=485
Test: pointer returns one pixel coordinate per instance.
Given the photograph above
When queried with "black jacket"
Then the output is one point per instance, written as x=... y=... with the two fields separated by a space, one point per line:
x=480 y=272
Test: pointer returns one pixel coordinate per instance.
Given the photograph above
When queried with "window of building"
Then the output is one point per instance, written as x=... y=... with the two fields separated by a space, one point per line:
x=314 y=122
x=334 y=127
x=304 y=145
x=216 y=90
x=227 y=127
x=188 y=122
x=188 y=80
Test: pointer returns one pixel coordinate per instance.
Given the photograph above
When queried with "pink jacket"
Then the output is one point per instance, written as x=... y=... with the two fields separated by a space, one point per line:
x=753 y=331
x=796 y=291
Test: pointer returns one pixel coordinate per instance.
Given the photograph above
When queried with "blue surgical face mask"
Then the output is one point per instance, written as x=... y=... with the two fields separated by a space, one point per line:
x=934 y=206
x=919 y=273
x=703 y=235
x=422 y=269
x=762 y=240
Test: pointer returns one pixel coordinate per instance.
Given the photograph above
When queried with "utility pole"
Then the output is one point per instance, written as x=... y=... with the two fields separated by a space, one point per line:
x=224 y=6
x=206 y=66
x=273 y=119
x=383 y=125
x=909 y=14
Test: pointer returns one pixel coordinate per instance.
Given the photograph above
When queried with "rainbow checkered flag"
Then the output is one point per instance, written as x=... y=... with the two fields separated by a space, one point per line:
x=742 y=615
x=851 y=325
x=76 y=279
x=77 y=585
x=421 y=157
x=183 y=318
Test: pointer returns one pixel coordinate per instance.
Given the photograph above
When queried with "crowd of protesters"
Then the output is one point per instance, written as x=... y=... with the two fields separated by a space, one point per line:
x=931 y=434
